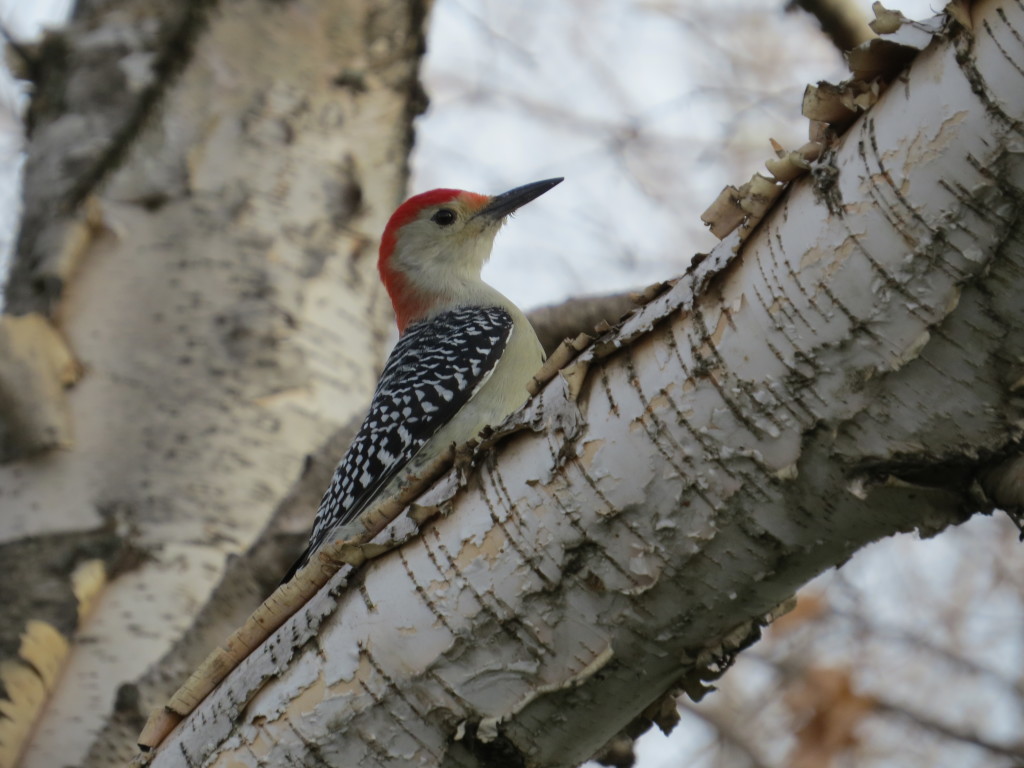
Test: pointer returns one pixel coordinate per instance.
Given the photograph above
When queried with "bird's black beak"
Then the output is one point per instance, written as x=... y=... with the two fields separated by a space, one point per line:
x=502 y=205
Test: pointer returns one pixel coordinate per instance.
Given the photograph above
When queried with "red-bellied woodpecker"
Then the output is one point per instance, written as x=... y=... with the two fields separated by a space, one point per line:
x=463 y=359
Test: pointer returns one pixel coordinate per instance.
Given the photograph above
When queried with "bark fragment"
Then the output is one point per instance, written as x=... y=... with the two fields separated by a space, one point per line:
x=36 y=367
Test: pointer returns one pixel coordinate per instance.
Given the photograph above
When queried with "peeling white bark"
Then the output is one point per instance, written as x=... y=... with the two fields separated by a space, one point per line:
x=850 y=372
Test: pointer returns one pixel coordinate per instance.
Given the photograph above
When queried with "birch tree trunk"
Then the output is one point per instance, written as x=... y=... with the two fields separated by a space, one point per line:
x=204 y=187
x=852 y=369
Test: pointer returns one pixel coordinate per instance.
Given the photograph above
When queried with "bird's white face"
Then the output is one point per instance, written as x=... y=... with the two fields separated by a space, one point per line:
x=436 y=243
x=445 y=242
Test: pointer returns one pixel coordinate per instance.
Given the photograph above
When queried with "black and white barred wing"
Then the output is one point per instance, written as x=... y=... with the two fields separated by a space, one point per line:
x=434 y=369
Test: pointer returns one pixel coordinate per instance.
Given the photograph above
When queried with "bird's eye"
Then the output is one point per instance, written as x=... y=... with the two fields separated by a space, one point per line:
x=445 y=217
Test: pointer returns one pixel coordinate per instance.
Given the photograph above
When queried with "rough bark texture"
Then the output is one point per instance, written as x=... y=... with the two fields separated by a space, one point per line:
x=852 y=370
x=205 y=185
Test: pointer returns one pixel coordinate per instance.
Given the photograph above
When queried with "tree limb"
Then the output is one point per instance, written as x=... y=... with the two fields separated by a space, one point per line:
x=572 y=317
x=841 y=375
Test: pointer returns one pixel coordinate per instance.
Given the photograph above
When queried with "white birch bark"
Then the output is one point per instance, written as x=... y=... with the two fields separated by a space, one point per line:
x=852 y=370
x=217 y=287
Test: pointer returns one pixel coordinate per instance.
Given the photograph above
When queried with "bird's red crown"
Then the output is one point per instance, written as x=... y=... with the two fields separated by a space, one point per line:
x=407 y=306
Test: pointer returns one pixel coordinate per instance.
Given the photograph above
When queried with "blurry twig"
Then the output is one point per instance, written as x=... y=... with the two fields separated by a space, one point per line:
x=1017 y=518
x=727 y=731
x=516 y=49
x=841 y=20
x=791 y=670
x=918 y=643
x=22 y=51
x=951 y=732
x=580 y=315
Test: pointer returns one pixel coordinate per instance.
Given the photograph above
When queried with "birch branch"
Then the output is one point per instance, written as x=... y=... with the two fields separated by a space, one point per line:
x=848 y=371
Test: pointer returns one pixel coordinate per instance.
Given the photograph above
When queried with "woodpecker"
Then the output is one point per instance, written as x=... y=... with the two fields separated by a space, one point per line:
x=464 y=356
